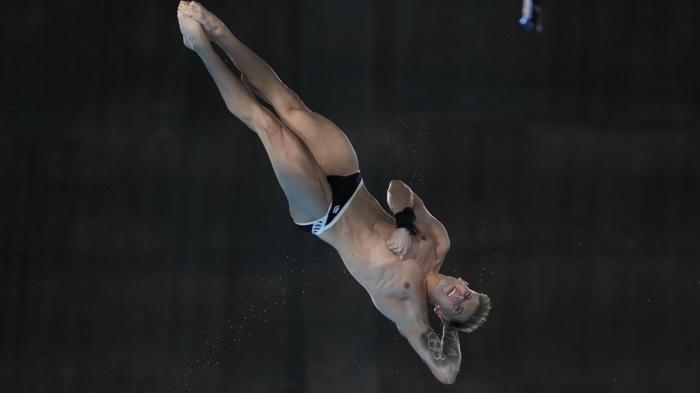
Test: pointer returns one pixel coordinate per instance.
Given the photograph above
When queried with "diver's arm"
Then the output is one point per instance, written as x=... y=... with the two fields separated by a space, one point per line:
x=442 y=355
x=399 y=197
x=441 y=237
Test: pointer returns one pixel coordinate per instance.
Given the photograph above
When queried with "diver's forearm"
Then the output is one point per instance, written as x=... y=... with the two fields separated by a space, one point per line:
x=450 y=346
x=443 y=357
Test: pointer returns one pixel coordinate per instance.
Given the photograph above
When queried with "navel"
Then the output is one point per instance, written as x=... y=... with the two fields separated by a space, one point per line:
x=406 y=285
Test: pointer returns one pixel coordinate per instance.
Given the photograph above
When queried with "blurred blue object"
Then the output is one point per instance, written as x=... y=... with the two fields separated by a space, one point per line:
x=532 y=15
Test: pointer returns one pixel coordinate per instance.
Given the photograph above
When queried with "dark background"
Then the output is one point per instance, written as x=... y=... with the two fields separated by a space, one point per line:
x=145 y=245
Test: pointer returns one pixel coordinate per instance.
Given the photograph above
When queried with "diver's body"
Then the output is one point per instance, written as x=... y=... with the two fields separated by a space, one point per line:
x=397 y=266
x=360 y=238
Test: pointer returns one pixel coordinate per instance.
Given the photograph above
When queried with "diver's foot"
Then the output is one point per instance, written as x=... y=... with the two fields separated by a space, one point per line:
x=193 y=36
x=211 y=24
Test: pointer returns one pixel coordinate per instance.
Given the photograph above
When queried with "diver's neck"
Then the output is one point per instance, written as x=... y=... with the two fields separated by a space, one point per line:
x=432 y=278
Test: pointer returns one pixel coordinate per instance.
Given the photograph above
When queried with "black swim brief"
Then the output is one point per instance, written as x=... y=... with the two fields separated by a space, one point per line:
x=343 y=190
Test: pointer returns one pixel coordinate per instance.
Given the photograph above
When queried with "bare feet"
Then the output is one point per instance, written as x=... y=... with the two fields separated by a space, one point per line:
x=193 y=36
x=211 y=24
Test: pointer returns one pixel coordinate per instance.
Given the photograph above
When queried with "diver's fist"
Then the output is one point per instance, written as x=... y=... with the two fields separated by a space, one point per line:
x=400 y=242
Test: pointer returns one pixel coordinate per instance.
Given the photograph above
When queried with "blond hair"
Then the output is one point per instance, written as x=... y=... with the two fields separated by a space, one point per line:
x=478 y=318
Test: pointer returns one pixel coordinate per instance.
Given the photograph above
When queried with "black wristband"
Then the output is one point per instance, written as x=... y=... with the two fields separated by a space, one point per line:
x=405 y=218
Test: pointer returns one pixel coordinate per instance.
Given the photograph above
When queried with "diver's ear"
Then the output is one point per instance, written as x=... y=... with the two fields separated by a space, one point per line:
x=438 y=311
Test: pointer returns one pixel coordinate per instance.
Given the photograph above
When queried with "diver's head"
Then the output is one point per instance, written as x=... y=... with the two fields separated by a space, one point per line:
x=457 y=305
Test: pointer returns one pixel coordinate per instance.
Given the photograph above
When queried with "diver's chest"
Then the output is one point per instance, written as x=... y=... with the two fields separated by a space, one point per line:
x=390 y=277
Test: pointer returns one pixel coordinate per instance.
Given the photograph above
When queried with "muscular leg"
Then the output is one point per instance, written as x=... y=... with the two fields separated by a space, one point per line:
x=301 y=178
x=328 y=144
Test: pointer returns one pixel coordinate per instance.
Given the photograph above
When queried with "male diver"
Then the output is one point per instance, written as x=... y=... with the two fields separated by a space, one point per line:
x=396 y=258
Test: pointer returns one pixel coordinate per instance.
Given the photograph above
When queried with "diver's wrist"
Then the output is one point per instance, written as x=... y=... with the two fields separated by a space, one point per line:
x=405 y=219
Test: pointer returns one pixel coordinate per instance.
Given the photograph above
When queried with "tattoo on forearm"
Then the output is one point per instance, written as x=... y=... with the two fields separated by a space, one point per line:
x=450 y=346
x=443 y=351
x=431 y=341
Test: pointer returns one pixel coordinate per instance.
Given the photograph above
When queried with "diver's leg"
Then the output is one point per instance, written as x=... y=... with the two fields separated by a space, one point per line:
x=301 y=178
x=328 y=144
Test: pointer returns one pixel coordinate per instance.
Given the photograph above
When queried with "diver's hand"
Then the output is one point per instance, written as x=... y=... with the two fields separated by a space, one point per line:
x=400 y=242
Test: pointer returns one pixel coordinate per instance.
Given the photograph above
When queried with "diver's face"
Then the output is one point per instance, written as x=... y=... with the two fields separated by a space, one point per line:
x=454 y=300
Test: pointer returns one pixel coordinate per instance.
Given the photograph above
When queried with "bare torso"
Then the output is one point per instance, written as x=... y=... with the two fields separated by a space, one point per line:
x=397 y=287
